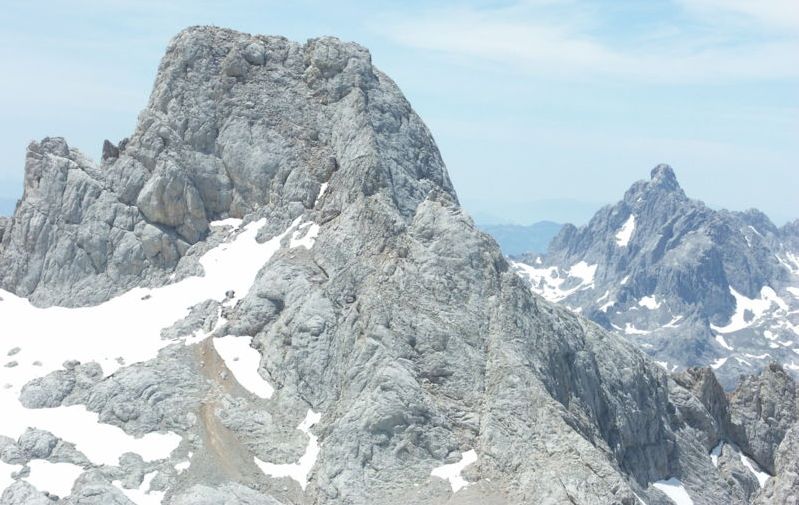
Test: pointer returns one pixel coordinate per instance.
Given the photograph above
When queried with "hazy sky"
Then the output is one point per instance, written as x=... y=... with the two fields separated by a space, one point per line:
x=543 y=109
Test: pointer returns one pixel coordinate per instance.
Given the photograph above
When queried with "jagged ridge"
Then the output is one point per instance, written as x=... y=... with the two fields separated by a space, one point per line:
x=691 y=285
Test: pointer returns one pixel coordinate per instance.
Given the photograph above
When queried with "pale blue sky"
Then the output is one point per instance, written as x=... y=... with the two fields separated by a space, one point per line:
x=543 y=109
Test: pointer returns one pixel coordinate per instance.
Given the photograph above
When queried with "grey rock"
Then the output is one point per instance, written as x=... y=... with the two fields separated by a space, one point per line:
x=764 y=409
x=94 y=488
x=61 y=387
x=37 y=444
x=48 y=391
x=22 y=493
x=10 y=452
x=403 y=326
x=784 y=488
x=231 y=493
x=154 y=396
x=110 y=151
x=685 y=259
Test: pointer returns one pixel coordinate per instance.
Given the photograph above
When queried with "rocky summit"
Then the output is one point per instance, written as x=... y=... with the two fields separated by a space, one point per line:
x=690 y=285
x=269 y=294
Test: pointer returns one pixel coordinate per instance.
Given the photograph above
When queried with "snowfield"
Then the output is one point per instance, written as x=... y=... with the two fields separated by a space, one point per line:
x=452 y=472
x=625 y=233
x=548 y=282
x=125 y=330
x=57 y=478
x=243 y=361
x=143 y=495
x=300 y=470
x=748 y=310
x=674 y=489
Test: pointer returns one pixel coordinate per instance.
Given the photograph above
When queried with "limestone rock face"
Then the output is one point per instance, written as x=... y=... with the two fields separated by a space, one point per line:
x=692 y=286
x=394 y=335
x=764 y=410
x=235 y=124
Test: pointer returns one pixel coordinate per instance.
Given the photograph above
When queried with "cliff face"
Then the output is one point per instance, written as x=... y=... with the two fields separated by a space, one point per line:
x=275 y=278
x=257 y=129
x=692 y=286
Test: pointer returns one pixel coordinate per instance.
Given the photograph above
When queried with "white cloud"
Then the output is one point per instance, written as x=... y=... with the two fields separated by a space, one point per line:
x=570 y=39
x=770 y=13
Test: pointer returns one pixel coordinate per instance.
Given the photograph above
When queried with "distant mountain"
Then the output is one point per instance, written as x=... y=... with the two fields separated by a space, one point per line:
x=692 y=286
x=517 y=239
x=563 y=210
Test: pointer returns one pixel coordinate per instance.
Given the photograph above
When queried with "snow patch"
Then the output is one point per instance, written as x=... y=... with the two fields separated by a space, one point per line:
x=757 y=307
x=231 y=221
x=715 y=453
x=55 y=478
x=452 y=472
x=625 y=233
x=583 y=271
x=753 y=467
x=718 y=363
x=649 y=302
x=723 y=343
x=609 y=302
x=243 y=361
x=5 y=474
x=640 y=500
x=322 y=191
x=103 y=444
x=548 y=282
x=630 y=329
x=674 y=322
x=302 y=469
x=305 y=235
x=141 y=497
x=125 y=329
x=791 y=262
x=675 y=491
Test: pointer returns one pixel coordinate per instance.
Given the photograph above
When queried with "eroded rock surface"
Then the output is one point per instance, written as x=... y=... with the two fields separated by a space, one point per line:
x=395 y=335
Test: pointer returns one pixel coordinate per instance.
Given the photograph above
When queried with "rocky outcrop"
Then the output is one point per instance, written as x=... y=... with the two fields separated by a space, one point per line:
x=691 y=285
x=394 y=334
x=785 y=487
x=764 y=409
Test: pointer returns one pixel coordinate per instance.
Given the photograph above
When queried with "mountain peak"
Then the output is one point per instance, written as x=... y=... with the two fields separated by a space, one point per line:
x=663 y=182
x=663 y=176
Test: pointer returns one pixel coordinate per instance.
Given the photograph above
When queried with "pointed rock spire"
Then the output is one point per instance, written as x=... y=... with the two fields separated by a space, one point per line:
x=663 y=176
